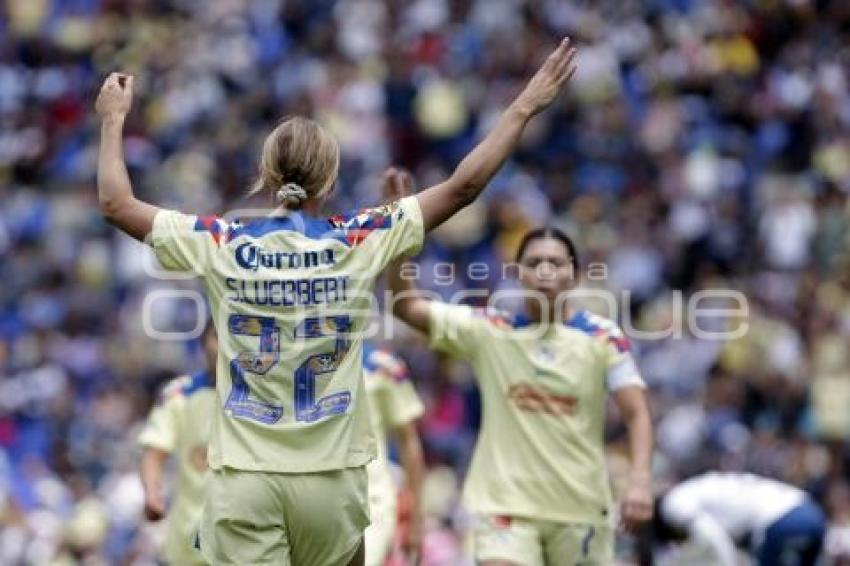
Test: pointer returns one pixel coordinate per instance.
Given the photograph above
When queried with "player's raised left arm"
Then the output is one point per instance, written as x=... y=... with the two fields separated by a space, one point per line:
x=114 y=191
x=440 y=202
x=637 y=502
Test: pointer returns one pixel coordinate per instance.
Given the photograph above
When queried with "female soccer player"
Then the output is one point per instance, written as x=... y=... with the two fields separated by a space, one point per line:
x=179 y=425
x=395 y=407
x=537 y=479
x=289 y=293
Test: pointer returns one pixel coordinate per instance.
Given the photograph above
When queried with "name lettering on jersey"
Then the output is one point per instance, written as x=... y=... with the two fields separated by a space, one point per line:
x=288 y=292
x=251 y=256
x=533 y=399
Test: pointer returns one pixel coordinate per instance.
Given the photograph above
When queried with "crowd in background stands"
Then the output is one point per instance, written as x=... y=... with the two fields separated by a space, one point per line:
x=703 y=145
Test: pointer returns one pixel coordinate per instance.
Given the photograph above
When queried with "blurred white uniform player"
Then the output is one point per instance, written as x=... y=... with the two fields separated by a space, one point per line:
x=718 y=510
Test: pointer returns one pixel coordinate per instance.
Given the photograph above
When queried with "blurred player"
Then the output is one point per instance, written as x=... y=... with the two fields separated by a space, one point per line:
x=179 y=425
x=718 y=511
x=290 y=293
x=537 y=478
x=395 y=407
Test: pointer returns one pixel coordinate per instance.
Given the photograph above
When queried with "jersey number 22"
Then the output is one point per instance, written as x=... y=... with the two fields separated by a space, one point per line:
x=306 y=407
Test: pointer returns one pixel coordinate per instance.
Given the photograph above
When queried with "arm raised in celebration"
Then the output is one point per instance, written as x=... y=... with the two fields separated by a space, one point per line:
x=440 y=202
x=118 y=204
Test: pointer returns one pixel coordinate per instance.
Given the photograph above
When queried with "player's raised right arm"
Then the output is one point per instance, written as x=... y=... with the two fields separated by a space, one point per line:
x=114 y=191
x=440 y=202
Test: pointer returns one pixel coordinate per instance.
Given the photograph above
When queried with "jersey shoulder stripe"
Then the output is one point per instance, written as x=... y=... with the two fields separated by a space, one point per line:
x=351 y=229
x=600 y=327
x=295 y=222
x=383 y=362
x=173 y=388
x=357 y=226
x=184 y=386
x=216 y=227
x=197 y=382
x=500 y=318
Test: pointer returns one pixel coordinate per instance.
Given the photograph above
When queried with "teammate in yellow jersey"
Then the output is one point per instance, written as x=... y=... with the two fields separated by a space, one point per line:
x=395 y=407
x=290 y=293
x=179 y=426
x=537 y=479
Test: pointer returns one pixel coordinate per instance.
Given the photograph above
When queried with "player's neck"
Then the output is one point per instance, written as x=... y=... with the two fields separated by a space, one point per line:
x=310 y=208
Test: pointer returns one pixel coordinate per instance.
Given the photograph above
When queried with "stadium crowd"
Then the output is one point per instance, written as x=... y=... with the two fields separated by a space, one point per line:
x=704 y=146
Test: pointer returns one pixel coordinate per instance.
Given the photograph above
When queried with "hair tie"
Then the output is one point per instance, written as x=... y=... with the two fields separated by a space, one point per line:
x=291 y=194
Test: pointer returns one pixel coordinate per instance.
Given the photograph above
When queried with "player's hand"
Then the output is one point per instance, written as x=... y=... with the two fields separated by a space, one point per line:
x=154 y=507
x=637 y=504
x=396 y=184
x=411 y=545
x=545 y=85
x=115 y=96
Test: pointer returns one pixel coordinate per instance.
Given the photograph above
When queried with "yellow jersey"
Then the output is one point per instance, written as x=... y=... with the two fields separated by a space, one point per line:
x=393 y=402
x=540 y=449
x=180 y=425
x=290 y=297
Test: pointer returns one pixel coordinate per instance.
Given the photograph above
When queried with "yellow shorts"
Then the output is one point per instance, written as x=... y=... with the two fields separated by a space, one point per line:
x=381 y=532
x=180 y=533
x=530 y=542
x=186 y=554
x=256 y=518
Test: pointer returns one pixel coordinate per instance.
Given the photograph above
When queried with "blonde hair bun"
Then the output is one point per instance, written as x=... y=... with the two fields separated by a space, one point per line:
x=291 y=195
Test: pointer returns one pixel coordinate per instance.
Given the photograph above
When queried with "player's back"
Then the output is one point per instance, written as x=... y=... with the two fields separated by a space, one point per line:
x=290 y=296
